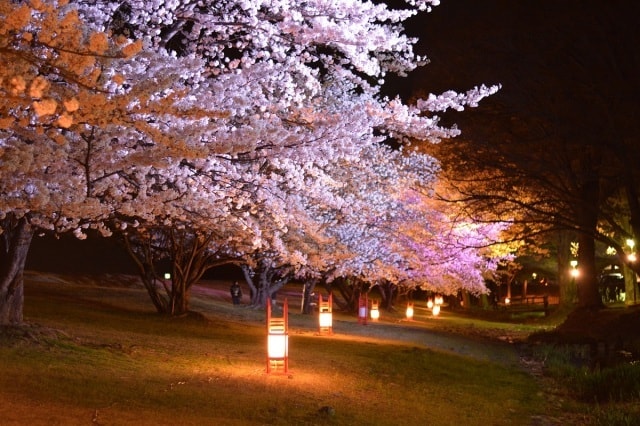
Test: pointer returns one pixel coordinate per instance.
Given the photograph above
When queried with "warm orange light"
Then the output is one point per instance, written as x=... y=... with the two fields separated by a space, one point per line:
x=430 y=303
x=375 y=312
x=278 y=339
x=436 y=310
x=575 y=272
x=409 y=312
x=325 y=316
x=326 y=319
x=277 y=345
x=632 y=257
x=507 y=300
x=438 y=300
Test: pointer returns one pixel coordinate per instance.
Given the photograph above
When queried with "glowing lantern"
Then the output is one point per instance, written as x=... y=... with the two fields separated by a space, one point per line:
x=278 y=339
x=438 y=300
x=430 y=303
x=375 y=312
x=409 y=312
x=507 y=300
x=325 y=316
x=362 y=309
x=436 y=310
x=167 y=276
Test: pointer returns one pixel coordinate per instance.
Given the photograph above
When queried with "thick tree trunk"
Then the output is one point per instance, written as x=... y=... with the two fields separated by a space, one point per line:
x=588 y=294
x=630 y=285
x=307 y=291
x=264 y=290
x=143 y=258
x=566 y=283
x=16 y=240
x=387 y=291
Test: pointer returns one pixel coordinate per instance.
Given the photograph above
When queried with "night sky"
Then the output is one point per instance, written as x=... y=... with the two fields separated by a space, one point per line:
x=564 y=48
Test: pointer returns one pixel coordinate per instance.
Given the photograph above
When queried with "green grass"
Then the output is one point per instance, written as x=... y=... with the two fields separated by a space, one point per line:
x=102 y=355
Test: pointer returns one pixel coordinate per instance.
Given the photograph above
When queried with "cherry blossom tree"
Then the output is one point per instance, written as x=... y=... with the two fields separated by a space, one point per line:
x=251 y=128
x=64 y=100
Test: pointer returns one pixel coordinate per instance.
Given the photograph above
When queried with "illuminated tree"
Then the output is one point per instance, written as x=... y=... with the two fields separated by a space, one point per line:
x=557 y=156
x=225 y=130
x=72 y=130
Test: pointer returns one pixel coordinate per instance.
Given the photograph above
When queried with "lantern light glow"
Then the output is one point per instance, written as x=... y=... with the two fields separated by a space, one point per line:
x=278 y=339
x=436 y=310
x=409 y=312
x=375 y=311
x=325 y=317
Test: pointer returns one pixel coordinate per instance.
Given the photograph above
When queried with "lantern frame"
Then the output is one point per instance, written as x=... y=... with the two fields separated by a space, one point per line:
x=325 y=314
x=375 y=310
x=278 y=340
x=363 y=307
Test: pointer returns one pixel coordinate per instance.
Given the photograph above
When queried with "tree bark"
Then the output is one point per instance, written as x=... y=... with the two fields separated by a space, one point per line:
x=262 y=291
x=16 y=240
x=142 y=255
x=630 y=285
x=566 y=283
x=588 y=294
x=307 y=291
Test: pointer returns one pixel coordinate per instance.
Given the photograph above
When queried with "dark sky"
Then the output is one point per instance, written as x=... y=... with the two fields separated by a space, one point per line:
x=562 y=60
x=488 y=41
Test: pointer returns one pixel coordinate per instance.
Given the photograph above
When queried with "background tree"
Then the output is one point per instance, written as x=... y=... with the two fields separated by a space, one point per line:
x=550 y=162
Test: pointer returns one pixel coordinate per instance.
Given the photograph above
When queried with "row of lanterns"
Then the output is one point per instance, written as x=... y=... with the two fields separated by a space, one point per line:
x=278 y=327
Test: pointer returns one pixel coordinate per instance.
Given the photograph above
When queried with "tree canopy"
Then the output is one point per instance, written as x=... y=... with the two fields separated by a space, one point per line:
x=254 y=128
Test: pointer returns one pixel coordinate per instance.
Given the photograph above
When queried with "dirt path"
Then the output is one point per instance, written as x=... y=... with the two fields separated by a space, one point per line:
x=424 y=332
x=479 y=348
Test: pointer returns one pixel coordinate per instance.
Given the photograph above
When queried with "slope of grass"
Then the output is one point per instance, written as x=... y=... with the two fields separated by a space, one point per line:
x=100 y=354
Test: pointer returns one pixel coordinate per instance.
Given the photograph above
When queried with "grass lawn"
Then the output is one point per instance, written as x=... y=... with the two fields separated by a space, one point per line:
x=94 y=354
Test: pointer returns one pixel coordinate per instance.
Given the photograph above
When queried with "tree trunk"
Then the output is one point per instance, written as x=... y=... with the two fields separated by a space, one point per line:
x=16 y=240
x=387 y=291
x=588 y=294
x=307 y=291
x=264 y=290
x=179 y=297
x=143 y=258
x=630 y=285
x=566 y=283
